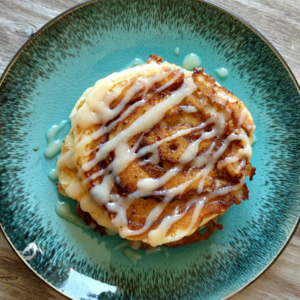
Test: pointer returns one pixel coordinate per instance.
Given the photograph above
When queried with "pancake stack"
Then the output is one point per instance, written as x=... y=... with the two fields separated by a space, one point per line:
x=156 y=153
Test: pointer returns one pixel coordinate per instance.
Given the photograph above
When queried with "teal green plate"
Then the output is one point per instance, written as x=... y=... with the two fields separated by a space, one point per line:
x=41 y=86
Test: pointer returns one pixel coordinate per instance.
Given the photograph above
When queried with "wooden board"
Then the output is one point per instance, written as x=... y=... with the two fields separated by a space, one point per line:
x=278 y=20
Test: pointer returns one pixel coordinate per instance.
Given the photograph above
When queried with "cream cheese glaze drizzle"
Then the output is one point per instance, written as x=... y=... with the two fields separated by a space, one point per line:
x=94 y=107
x=54 y=144
x=222 y=72
x=52 y=174
x=191 y=61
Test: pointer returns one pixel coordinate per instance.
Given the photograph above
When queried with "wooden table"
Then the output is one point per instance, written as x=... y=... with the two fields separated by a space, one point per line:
x=278 y=20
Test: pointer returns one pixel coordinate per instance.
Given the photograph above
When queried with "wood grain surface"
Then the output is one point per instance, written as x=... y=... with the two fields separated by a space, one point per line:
x=277 y=20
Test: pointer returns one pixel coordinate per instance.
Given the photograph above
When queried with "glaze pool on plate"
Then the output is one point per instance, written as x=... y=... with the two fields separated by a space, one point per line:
x=101 y=37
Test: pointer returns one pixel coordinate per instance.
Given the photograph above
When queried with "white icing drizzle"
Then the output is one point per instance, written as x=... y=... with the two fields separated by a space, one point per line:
x=137 y=61
x=243 y=116
x=191 y=61
x=96 y=110
x=63 y=209
x=222 y=72
x=101 y=193
x=170 y=82
x=52 y=174
x=159 y=235
x=189 y=109
x=143 y=123
x=177 y=51
x=150 y=184
x=54 y=144
x=67 y=160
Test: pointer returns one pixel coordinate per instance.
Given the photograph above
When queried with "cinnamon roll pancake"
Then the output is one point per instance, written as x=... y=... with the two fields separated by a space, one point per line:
x=156 y=152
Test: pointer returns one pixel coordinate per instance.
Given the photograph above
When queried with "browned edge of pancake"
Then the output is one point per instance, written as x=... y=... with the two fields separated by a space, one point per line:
x=197 y=236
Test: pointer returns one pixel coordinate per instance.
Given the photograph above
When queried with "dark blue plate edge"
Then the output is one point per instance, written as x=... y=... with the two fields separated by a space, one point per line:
x=85 y=3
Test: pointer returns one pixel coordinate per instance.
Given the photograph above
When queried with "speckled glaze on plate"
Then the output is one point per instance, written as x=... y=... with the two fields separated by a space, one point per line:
x=41 y=86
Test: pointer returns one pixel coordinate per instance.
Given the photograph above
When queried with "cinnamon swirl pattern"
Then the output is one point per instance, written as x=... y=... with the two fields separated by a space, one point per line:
x=156 y=152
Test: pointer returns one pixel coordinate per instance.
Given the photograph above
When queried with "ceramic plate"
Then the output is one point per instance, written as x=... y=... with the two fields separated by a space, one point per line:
x=41 y=86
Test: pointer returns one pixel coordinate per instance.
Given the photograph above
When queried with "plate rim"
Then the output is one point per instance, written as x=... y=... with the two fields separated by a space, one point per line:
x=208 y=2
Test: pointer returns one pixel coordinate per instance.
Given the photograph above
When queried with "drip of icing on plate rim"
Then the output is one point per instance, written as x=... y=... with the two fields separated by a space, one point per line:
x=222 y=72
x=52 y=174
x=54 y=146
x=191 y=61
x=53 y=143
x=96 y=110
x=63 y=209
x=137 y=61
